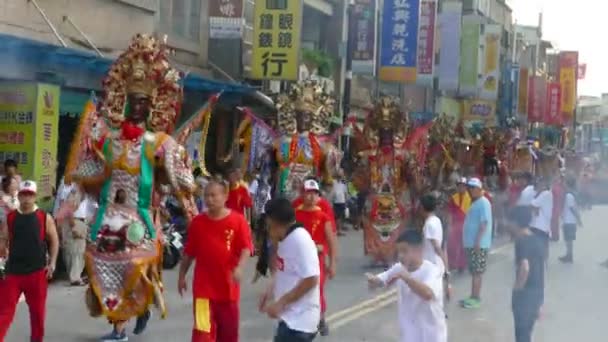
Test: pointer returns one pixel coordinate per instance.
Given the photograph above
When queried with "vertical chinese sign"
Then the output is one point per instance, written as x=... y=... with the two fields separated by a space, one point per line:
x=489 y=57
x=450 y=25
x=276 y=43
x=515 y=88
x=469 y=59
x=568 y=65
x=29 y=120
x=553 y=113
x=398 y=52
x=426 y=42
x=47 y=127
x=537 y=95
x=363 y=28
x=225 y=19
x=522 y=94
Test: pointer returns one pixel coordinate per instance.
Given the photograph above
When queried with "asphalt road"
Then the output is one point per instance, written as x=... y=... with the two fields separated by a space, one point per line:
x=574 y=310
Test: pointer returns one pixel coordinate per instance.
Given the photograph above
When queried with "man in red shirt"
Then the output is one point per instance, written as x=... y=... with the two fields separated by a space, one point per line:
x=319 y=225
x=219 y=240
x=324 y=204
x=239 y=198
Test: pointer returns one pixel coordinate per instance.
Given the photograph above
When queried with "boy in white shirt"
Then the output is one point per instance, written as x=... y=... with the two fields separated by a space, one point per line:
x=542 y=209
x=571 y=218
x=433 y=238
x=293 y=296
x=420 y=288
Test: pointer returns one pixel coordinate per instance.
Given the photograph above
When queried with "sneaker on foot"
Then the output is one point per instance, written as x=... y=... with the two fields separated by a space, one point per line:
x=323 y=328
x=471 y=303
x=142 y=322
x=115 y=336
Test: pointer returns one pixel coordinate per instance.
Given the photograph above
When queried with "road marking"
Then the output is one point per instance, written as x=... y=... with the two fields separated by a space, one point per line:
x=337 y=315
x=375 y=307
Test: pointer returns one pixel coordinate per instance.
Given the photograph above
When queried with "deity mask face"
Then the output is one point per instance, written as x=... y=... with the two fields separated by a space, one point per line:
x=139 y=108
x=303 y=121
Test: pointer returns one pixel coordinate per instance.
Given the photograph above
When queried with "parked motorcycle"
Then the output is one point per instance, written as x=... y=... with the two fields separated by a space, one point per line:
x=172 y=246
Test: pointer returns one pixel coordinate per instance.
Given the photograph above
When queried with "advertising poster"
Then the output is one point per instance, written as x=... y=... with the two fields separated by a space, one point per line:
x=363 y=28
x=479 y=112
x=276 y=40
x=537 y=95
x=522 y=97
x=29 y=120
x=514 y=88
x=426 y=42
x=449 y=53
x=568 y=65
x=225 y=19
x=489 y=66
x=506 y=88
x=469 y=55
x=398 y=51
x=554 y=102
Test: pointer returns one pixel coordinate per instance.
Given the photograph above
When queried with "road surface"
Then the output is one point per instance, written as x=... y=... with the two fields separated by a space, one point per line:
x=575 y=307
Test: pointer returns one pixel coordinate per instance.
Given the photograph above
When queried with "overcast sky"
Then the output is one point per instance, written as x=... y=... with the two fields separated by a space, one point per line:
x=579 y=25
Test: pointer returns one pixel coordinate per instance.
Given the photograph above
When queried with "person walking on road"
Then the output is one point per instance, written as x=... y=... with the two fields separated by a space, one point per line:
x=542 y=209
x=74 y=236
x=33 y=244
x=458 y=207
x=571 y=219
x=477 y=240
x=420 y=287
x=293 y=296
x=219 y=241
x=339 y=197
x=528 y=291
x=433 y=238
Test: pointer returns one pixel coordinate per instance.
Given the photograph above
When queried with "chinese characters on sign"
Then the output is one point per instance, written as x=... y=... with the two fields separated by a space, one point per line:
x=276 y=39
x=536 y=98
x=398 y=56
x=568 y=65
x=553 y=113
x=426 y=40
x=225 y=19
x=363 y=30
x=47 y=122
x=17 y=113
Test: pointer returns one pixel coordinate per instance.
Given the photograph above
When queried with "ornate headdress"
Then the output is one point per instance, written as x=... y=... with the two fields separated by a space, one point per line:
x=143 y=69
x=305 y=98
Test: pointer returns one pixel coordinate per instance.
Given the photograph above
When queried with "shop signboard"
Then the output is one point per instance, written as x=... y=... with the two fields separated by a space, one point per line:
x=469 y=58
x=522 y=93
x=568 y=65
x=426 y=42
x=489 y=61
x=450 y=25
x=225 y=19
x=29 y=120
x=477 y=111
x=553 y=111
x=363 y=28
x=399 y=43
x=537 y=95
x=276 y=41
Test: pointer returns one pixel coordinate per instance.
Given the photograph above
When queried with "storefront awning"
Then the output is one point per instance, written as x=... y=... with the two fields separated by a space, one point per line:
x=45 y=56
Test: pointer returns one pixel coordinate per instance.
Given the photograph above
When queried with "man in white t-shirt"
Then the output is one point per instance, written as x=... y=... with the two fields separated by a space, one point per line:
x=338 y=197
x=542 y=209
x=293 y=296
x=571 y=218
x=420 y=286
x=528 y=193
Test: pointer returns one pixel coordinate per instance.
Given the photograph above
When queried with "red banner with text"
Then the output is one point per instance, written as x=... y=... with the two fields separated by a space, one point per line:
x=537 y=95
x=553 y=112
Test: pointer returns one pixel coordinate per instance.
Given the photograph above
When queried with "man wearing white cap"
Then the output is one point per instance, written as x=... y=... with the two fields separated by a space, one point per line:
x=29 y=231
x=477 y=239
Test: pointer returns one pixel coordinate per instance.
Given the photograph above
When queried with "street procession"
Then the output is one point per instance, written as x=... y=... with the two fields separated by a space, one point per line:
x=298 y=170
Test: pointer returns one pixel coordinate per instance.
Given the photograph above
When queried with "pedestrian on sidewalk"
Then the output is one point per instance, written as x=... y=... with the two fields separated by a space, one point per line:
x=318 y=224
x=293 y=296
x=528 y=291
x=571 y=218
x=32 y=255
x=420 y=286
x=219 y=242
x=339 y=197
x=477 y=240
x=458 y=206
x=74 y=242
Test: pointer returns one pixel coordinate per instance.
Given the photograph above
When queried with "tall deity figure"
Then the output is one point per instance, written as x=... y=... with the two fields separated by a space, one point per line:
x=301 y=150
x=123 y=146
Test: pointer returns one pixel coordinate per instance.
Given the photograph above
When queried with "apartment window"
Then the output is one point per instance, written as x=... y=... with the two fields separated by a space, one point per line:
x=182 y=18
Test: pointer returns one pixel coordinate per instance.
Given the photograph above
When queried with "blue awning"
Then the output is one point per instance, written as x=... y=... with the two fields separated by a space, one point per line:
x=45 y=55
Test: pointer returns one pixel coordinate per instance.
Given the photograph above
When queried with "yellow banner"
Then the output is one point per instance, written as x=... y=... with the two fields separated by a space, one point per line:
x=522 y=96
x=276 y=39
x=17 y=113
x=47 y=128
x=479 y=111
x=567 y=80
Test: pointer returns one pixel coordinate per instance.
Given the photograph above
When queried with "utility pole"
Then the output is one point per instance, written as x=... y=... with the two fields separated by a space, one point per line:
x=348 y=74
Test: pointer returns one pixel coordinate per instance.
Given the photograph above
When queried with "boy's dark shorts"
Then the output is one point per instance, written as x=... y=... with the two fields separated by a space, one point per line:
x=477 y=260
x=340 y=211
x=569 y=232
